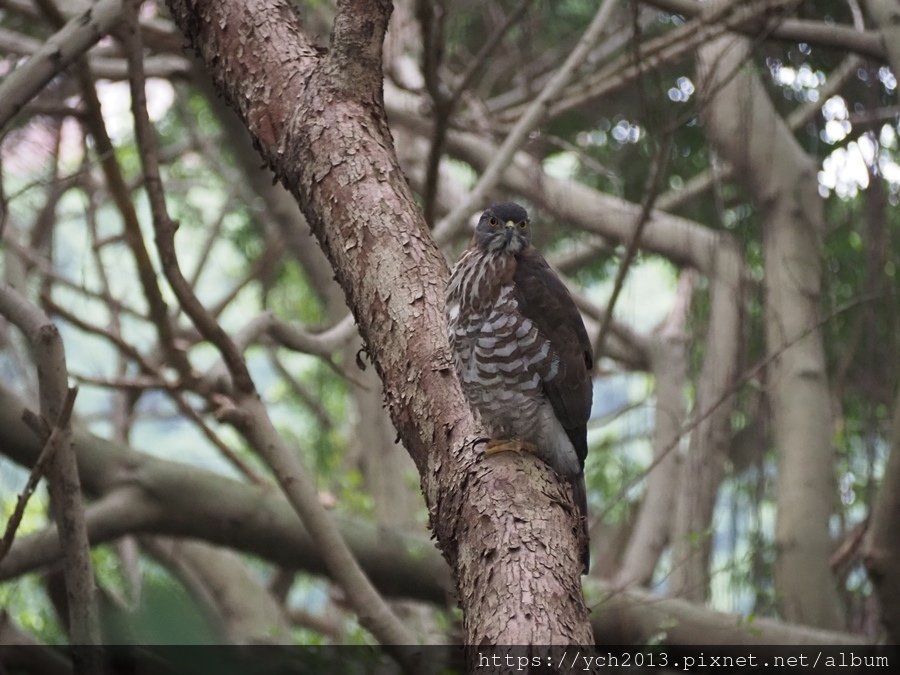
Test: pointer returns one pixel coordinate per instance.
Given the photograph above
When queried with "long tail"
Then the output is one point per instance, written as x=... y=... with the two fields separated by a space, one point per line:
x=580 y=493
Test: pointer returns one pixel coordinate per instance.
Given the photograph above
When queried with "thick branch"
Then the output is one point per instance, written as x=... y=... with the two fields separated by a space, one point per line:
x=747 y=131
x=333 y=149
x=145 y=494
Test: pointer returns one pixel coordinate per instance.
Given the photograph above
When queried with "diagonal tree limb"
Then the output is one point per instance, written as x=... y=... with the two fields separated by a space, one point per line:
x=249 y=415
x=330 y=144
x=51 y=447
x=61 y=50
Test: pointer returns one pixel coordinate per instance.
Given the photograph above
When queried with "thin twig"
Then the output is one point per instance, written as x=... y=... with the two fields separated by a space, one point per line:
x=657 y=170
x=527 y=122
x=739 y=382
x=444 y=105
x=37 y=471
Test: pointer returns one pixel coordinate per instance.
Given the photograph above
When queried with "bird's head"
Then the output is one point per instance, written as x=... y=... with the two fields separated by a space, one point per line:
x=503 y=228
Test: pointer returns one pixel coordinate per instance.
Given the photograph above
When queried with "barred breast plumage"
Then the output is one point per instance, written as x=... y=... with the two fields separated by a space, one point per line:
x=519 y=346
x=499 y=355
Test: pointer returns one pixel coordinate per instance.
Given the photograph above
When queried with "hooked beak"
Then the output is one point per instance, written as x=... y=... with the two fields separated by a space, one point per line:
x=510 y=228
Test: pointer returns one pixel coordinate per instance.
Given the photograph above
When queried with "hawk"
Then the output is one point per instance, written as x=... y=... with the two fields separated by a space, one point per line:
x=520 y=348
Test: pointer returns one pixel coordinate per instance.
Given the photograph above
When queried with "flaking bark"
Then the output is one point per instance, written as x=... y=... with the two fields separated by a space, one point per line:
x=320 y=124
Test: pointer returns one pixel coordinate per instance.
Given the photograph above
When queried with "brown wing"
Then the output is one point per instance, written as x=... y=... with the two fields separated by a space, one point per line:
x=544 y=299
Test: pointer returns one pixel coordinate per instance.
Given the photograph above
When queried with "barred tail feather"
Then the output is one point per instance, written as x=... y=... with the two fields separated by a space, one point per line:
x=579 y=492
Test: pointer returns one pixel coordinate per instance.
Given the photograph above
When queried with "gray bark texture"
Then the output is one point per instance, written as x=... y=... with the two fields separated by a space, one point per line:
x=668 y=361
x=746 y=130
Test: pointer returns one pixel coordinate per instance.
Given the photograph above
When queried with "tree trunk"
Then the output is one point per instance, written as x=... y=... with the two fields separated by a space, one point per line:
x=704 y=466
x=747 y=131
x=319 y=121
x=668 y=361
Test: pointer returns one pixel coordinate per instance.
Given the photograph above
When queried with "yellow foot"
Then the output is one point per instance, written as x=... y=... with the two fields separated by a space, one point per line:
x=497 y=445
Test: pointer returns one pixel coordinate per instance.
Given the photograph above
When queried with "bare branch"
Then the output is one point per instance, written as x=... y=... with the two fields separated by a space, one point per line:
x=51 y=447
x=65 y=486
x=57 y=53
x=818 y=33
x=251 y=417
x=529 y=120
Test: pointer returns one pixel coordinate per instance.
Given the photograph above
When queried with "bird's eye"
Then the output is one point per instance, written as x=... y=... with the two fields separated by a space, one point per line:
x=522 y=225
x=493 y=222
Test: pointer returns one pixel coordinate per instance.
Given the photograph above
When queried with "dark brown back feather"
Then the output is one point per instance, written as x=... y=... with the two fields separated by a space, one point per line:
x=544 y=299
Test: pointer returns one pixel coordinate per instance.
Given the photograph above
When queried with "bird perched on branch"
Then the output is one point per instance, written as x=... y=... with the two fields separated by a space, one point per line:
x=520 y=348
